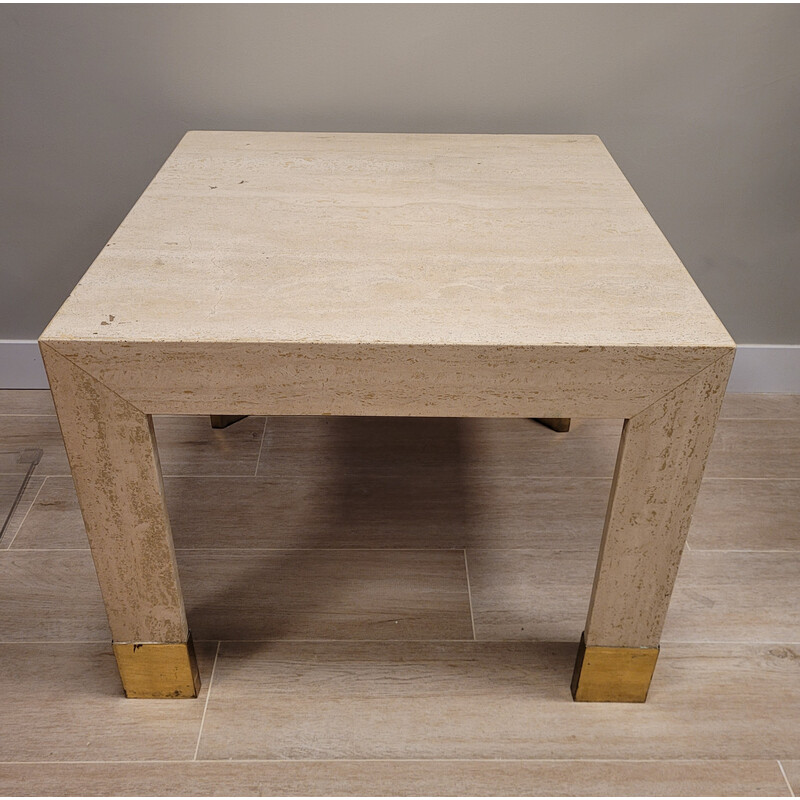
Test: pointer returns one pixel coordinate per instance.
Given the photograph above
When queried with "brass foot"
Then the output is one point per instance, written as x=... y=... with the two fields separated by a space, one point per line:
x=558 y=424
x=613 y=674
x=154 y=670
x=223 y=420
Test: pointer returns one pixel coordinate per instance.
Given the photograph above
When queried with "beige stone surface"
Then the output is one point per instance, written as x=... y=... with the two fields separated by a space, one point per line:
x=64 y=702
x=659 y=469
x=493 y=700
x=118 y=480
x=388 y=275
x=719 y=702
x=519 y=778
x=389 y=238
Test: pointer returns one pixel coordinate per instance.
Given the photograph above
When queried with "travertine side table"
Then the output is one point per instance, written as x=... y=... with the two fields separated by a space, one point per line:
x=383 y=274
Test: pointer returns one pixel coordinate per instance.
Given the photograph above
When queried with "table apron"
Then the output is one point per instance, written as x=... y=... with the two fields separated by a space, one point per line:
x=387 y=380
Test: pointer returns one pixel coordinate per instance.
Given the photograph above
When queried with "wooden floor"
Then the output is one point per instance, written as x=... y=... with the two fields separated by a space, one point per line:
x=393 y=607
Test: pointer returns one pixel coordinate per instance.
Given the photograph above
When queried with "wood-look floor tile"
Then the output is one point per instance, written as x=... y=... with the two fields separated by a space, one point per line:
x=761 y=406
x=721 y=596
x=26 y=401
x=747 y=515
x=792 y=769
x=326 y=594
x=54 y=520
x=755 y=448
x=718 y=596
x=64 y=702
x=403 y=778
x=10 y=486
x=50 y=596
x=493 y=700
x=340 y=511
x=530 y=595
x=29 y=432
x=437 y=449
x=188 y=445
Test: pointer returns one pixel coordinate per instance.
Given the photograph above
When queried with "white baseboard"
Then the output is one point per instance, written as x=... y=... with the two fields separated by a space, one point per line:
x=766 y=368
x=757 y=368
x=21 y=365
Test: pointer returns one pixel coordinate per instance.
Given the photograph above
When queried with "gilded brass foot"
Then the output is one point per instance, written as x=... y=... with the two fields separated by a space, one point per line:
x=613 y=674
x=155 y=670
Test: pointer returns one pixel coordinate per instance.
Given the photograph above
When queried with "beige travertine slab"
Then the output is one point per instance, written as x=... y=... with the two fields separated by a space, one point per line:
x=480 y=240
x=659 y=468
x=26 y=401
x=326 y=594
x=754 y=514
x=64 y=702
x=117 y=476
x=388 y=275
x=755 y=448
x=405 y=778
x=493 y=700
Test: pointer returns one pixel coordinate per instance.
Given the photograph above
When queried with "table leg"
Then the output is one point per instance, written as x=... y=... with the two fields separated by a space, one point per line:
x=223 y=420
x=558 y=424
x=660 y=465
x=115 y=467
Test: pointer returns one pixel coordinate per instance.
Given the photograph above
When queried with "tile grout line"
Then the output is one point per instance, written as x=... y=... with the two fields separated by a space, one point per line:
x=742 y=550
x=620 y=759
x=788 y=785
x=355 y=641
x=260 y=447
x=208 y=695
x=25 y=516
x=469 y=596
x=454 y=549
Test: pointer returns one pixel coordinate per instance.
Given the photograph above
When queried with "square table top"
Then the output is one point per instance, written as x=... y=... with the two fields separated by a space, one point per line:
x=506 y=240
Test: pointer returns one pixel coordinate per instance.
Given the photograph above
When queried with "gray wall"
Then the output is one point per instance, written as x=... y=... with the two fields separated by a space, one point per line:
x=700 y=105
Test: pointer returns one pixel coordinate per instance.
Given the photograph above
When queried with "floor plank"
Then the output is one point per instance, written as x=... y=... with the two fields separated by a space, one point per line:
x=754 y=448
x=437 y=449
x=190 y=446
x=532 y=595
x=50 y=596
x=64 y=702
x=296 y=594
x=792 y=770
x=761 y=406
x=351 y=511
x=326 y=594
x=417 y=778
x=10 y=486
x=736 y=514
x=27 y=432
x=493 y=700
x=26 y=401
